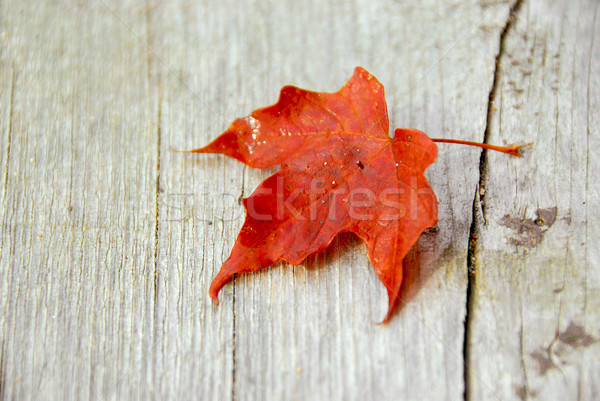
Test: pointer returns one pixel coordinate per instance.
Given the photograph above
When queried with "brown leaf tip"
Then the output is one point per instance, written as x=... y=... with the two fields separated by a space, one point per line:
x=522 y=150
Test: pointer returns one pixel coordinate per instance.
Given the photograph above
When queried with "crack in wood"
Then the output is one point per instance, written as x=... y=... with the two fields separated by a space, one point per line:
x=483 y=161
x=234 y=315
x=479 y=204
x=2 y=370
x=233 y=340
x=158 y=189
x=9 y=130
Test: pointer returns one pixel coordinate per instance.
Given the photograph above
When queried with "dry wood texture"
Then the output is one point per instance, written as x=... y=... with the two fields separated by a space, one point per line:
x=109 y=240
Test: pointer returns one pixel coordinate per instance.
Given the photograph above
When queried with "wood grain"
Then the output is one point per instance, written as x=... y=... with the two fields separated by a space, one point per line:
x=534 y=328
x=109 y=240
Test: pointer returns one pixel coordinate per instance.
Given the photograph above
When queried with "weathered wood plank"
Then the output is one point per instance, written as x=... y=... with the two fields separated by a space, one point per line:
x=308 y=331
x=78 y=217
x=535 y=320
x=198 y=199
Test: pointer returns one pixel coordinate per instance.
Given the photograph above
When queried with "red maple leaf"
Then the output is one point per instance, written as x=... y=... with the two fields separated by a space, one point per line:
x=340 y=171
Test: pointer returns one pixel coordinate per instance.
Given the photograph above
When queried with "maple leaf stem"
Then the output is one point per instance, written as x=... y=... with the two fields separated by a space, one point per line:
x=514 y=150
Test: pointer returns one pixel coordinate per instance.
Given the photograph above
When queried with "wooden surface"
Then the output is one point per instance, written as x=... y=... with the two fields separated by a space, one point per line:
x=109 y=240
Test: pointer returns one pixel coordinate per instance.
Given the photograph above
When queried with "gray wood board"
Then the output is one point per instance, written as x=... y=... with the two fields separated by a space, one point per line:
x=534 y=321
x=110 y=240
